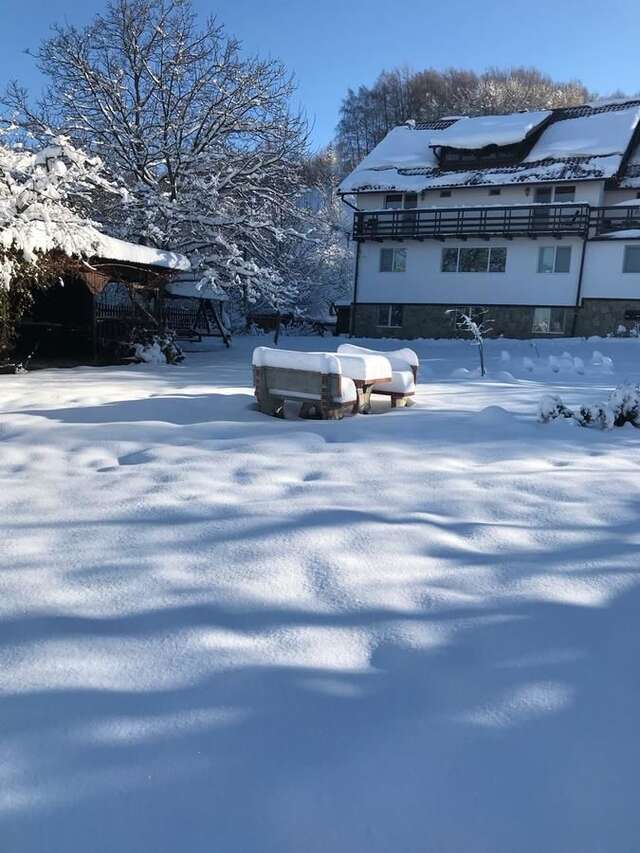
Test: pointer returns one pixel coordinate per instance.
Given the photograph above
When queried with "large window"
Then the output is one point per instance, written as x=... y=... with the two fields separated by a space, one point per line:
x=390 y=316
x=393 y=260
x=631 y=259
x=545 y=195
x=398 y=201
x=548 y=321
x=474 y=260
x=554 y=259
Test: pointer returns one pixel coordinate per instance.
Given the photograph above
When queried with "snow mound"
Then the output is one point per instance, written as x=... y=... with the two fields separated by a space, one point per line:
x=493 y=415
x=465 y=373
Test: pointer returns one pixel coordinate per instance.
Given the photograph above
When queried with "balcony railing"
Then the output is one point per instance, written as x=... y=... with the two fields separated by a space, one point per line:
x=615 y=218
x=438 y=223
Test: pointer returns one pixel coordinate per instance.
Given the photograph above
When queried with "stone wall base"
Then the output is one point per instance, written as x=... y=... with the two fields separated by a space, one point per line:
x=594 y=317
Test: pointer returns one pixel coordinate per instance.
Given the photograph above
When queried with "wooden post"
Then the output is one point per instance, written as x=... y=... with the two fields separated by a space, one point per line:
x=94 y=329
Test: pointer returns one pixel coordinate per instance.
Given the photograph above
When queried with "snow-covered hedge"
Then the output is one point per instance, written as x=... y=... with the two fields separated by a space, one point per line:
x=623 y=406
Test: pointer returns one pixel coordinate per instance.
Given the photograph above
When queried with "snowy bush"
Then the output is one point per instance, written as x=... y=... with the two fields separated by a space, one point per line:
x=156 y=348
x=622 y=406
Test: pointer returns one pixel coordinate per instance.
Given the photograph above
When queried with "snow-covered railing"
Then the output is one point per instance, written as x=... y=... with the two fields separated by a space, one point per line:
x=512 y=221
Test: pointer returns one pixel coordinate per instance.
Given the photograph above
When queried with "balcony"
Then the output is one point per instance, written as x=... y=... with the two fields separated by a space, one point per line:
x=557 y=220
x=617 y=218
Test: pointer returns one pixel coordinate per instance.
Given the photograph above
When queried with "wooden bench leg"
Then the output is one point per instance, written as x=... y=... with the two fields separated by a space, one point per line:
x=365 y=408
x=398 y=401
x=271 y=405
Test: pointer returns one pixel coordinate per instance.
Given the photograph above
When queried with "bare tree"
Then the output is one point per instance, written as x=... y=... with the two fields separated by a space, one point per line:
x=369 y=113
x=202 y=136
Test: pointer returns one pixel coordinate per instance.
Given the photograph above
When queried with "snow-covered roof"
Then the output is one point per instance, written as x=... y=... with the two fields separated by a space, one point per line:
x=480 y=131
x=195 y=287
x=110 y=248
x=595 y=135
x=79 y=238
x=576 y=144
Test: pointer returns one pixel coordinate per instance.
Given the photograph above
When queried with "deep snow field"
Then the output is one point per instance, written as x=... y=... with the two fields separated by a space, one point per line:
x=416 y=630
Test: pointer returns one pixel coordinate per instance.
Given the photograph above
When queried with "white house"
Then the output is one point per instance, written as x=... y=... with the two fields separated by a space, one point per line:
x=532 y=218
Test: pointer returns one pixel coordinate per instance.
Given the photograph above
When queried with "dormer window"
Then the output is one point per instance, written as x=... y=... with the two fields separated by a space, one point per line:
x=481 y=158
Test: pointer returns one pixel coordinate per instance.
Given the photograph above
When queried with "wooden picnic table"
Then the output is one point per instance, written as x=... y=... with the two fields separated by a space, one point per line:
x=365 y=371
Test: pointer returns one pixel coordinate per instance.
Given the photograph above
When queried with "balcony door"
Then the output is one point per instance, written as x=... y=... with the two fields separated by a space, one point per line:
x=541 y=215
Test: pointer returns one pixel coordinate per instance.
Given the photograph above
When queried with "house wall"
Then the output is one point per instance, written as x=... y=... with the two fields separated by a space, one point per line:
x=423 y=281
x=603 y=277
x=433 y=321
x=587 y=192
x=618 y=196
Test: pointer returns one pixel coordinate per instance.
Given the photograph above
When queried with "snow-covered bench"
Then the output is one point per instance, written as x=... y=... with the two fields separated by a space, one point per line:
x=368 y=371
x=313 y=378
x=404 y=371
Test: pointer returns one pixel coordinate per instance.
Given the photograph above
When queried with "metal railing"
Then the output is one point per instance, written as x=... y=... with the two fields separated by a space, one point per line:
x=615 y=218
x=511 y=221
x=515 y=221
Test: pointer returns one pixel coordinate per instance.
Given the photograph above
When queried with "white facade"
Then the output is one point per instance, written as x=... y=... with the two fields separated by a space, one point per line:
x=424 y=281
x=604 y=276
x=586 y=192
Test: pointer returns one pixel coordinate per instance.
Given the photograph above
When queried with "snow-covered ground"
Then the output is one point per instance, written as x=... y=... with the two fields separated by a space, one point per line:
x=410 y=631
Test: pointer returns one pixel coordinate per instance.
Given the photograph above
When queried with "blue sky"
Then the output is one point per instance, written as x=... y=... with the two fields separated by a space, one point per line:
x=333 y=44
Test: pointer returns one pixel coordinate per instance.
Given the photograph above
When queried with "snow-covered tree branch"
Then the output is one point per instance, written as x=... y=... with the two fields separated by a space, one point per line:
x=202 y=136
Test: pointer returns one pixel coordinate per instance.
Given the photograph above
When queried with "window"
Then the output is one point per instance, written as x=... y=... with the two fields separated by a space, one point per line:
x=563 y=259
x=449 y=260
x=397 y=201
x=393 y=201
x=542 y=195
x=631 y=259
x=564 y=193
x=548 y=321
x=445 y=193
x=495 y=192
x=554 y=259
x=545 y=195
x=474 y=260
x=497 y=260
x=477 y=313
x=393 y=260
x=390 y=316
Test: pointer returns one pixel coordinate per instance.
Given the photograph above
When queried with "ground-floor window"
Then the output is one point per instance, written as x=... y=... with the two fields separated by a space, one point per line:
x=390 y=316
x=477 y=313
x=548 y=321
x=554 y=259
x=474 y=260
x=393 y=260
